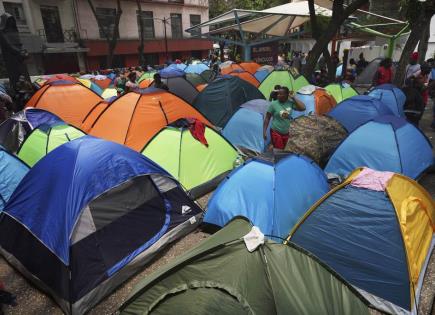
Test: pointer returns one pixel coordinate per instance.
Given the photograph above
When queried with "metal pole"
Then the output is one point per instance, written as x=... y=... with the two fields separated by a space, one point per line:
x=166 y=40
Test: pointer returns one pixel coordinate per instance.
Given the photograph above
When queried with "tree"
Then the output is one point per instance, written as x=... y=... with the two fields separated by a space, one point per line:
x=111 y=35
x=340 y=13
x=141 y=35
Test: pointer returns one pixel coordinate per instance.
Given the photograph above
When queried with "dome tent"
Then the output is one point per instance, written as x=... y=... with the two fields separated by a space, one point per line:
x=341 y=91
x=220 y=276
x=358 y=110
x=198 y=167
x=385 y=262
x=391 y=96
x=316 y=100
x=278 y=193
x=250 y=66
x=178 y=85
x=223 y=97
x=244 y=75
x=197 y=68
x=90 y=215
x=263 y=72
x=386 y=143
x=283 y=78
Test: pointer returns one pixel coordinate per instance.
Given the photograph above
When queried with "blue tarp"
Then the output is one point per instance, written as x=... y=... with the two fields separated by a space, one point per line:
x=388 y=143
x=391 y=96
x=355 y=231
x=272 y=196
x=59 y=186
x=357 y=110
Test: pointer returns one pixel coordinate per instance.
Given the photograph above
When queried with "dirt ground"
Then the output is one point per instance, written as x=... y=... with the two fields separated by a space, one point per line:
x=32 y=301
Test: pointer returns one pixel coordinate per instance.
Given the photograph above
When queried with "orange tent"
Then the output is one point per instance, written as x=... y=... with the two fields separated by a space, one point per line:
x=134 y=118
x=250 y=67
x=104 y=84
x=324 y=102
x=61 y=77
x=247 y=77
x=231 y=68
x=145 y=83
x=201 y=87
x=70 y=101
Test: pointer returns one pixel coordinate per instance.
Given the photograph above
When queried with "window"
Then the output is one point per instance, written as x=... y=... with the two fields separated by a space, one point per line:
x=52 y=25
x=195 y=19
x=147 y=22
x=106 y=21
x=16 y=10
x=176 y=25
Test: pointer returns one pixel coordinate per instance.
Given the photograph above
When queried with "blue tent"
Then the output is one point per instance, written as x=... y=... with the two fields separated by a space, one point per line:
x=386 y=143
x=88 y=216
x=171 y=72
x=263 y=72
x=197 y=68
x=391 y=96
x=12 y=171
x=273 y=196
x=357 y=110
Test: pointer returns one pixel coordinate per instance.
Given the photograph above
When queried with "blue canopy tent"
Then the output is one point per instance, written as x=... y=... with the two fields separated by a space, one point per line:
x=391 y=96
x=386 y=143
x=357 y=110
x=274 y=196
x=88 y=216
x=197 y=68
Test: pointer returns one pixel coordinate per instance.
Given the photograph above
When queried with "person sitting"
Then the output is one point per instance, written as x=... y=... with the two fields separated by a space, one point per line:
x=158 y=84
x=280 y=110
x=131 y=84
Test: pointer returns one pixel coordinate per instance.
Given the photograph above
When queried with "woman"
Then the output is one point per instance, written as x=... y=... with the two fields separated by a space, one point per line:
x=384 y=74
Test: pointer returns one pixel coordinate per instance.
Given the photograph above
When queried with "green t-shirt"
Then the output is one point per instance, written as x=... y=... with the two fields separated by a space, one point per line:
x=276 y=108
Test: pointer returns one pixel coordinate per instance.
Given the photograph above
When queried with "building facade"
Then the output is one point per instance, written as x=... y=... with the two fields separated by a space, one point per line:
x=65 y=35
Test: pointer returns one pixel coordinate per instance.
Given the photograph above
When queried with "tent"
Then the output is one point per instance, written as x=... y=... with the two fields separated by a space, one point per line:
x=284 y=78
x=315 y=136
x=134 y=118
x=223 y=96
x=317 y=101
x=391 y=96
x=90 y=215
x=208 y=75
x=341 y=91
x=244 y=75
x=181 y=88
x=61 y=79
x=102 y=81
x=358 y=110
x=263 y=72
x=195 y=79
x=376 y=231
x=198 y=167
x=147 y=75
x=15 y=129
x=228 y=68
x=72 y=102
x=109 y=93
x=245 y=127
x=44 y=139
x=250 y=66
x=91 y=85
x=197 y=68
x=221 y=276
x=273 y=195
x=386 y=143
x=144 y=83
x=12 y=171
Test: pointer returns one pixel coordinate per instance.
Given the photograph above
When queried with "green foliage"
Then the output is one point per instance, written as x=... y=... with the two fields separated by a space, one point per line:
x=411 y=9
x=218 y=7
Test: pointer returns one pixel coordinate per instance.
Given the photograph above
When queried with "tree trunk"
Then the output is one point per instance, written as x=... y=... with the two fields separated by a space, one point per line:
x=422 y=45
x=411 y=43
x=141 y=35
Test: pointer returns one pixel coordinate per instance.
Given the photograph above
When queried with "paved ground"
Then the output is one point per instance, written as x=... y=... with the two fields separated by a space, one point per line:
x=32 y=301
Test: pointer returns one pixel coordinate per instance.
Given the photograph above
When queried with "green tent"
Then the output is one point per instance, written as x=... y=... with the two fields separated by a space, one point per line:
x=147 y=75
x=220 y=276
x=284 y=78
x=44 y=139
x=199 y=168
x=341 y=91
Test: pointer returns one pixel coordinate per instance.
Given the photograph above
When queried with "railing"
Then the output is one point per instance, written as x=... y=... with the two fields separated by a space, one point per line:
x=66 y=36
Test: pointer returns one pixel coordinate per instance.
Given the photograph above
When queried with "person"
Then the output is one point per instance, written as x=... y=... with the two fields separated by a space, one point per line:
x=361 y=64
x=158 y=83
x=23 y=92
x=422 y=78
x=274 y=94
x=121 y=82
x=280 y=110
x=131 y=84
x=352 y=69
x=297 y=62
x=384 y=74
x=413 y=67
x=414 y=105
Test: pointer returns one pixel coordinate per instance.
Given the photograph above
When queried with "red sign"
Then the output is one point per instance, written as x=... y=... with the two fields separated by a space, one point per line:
x=265 y=54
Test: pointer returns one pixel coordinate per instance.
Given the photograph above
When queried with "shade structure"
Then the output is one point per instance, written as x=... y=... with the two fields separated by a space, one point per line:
x=72 y=102
x=341 y=91
x=386 y=143
x=358 y=110
x=244 y=75
x=198 y=167
x=220 y=276
x=44 y=139
x=197 y=68
x=250 y=66
x=385 y=262
x=12 y=171
x=391 y=96
x=90 y=215
x=316 y=137
x=316 y=100
x=223 y=97
x=15 y=129
x=182 y=88
x=134 y=118
x=263 y=72
x=282 y=78
x=273 y=195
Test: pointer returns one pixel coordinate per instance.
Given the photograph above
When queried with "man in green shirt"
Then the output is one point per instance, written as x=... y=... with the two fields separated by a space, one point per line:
x=280 y=110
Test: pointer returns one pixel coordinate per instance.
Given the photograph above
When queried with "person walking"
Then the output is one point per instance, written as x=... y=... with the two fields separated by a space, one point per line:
x=361 y=64
x=384 y=74
x=280 y=113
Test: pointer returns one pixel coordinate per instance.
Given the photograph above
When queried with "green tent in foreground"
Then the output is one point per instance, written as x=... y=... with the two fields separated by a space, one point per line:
x=44 y=139
x=283 y=78
x=341 y=91
x=220 y=276
x=199 y=168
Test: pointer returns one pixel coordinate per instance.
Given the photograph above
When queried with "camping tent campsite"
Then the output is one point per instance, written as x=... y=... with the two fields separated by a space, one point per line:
x=316 y=100
x=90 y=215
x=178 y=85
x=284 y=78
x=244 y=75
x=391 y=96
x=341 y=91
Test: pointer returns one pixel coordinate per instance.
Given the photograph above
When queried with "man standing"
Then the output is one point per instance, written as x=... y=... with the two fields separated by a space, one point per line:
x=413 y=67
x=281 y=110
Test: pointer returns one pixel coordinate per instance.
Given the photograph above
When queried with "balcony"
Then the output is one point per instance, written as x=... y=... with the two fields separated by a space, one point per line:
x=58 y=41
